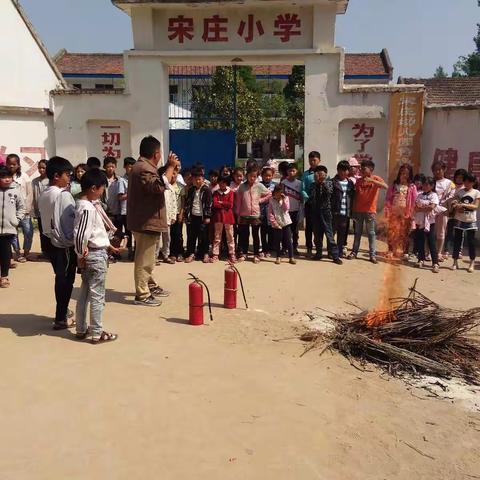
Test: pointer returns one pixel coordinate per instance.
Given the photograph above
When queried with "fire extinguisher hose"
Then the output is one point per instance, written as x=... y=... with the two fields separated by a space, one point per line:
x=201 y=282
x=233 y=267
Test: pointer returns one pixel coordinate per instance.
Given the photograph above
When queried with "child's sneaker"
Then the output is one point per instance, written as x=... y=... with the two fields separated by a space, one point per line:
x=419 y=264
x=180 y=259
x=189 y=259
x=471 y=268
x=278 y=261
x=256 y=259
x=206 y=259
x=292 y=261
x=4 y=282
x=455 y=265
x=169 y=260
x=436 y=268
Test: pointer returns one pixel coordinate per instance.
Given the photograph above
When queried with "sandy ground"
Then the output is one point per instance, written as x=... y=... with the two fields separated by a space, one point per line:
x=222 y=401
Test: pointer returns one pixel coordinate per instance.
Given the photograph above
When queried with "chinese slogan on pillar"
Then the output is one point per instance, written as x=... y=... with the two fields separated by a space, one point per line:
x=406 y=122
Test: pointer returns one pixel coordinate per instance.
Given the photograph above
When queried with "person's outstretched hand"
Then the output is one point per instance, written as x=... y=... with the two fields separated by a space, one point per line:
x=173 y=160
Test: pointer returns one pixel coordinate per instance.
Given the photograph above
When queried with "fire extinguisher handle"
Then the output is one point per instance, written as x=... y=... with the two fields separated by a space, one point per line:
x=233 y=267
x=208 y=293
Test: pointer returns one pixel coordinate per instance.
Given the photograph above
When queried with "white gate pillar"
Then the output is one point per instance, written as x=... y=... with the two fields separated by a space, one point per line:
x=321 y=122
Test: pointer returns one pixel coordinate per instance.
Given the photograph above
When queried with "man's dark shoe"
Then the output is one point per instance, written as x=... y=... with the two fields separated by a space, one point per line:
x=61 y=325
x=148 y=302
x=337 y=261
x=374 y=260
x=317 y=257
x=159 y=292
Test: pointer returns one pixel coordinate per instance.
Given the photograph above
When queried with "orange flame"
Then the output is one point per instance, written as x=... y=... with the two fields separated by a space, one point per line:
x=398 y=234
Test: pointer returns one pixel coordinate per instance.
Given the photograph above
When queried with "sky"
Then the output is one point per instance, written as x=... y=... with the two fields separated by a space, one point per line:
x=420 y=35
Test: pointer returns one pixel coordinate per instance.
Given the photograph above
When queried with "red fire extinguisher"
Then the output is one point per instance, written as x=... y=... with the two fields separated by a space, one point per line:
x=232 y=275
x=195 y=295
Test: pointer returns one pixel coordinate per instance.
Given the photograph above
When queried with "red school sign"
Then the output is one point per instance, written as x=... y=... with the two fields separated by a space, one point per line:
x=218 y=28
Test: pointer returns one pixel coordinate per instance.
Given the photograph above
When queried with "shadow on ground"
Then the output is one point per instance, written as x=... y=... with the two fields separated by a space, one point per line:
x=31 y=325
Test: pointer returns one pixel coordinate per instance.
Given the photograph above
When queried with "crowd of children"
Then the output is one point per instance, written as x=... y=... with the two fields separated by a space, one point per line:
x=82 y=213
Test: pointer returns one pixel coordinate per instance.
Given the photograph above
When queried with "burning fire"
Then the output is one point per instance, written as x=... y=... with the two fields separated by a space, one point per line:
x=398 y=234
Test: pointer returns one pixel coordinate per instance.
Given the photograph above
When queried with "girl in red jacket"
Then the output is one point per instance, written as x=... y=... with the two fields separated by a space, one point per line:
x=223 y=218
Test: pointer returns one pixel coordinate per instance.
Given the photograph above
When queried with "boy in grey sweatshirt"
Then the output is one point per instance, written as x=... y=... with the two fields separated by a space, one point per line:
x=12 y=211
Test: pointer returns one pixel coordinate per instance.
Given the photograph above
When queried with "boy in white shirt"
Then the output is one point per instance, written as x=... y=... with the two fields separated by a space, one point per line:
x=293 y=190
x=92 y=246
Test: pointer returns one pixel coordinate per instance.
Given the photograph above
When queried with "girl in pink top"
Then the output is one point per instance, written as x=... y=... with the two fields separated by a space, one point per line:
x=247 y=208
x=399 y=210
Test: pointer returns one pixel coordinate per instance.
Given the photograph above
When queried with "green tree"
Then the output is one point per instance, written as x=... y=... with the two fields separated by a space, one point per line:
x=294 y=93
x=213 y=106
x=440 y=72
x=469 y=65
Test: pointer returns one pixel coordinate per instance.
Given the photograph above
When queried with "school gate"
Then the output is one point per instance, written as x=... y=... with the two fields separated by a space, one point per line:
x=341 y=119
x=199 y=137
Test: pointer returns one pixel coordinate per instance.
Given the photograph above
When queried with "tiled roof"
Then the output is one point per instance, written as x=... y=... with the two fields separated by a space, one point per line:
x=462 y=91
x=90 y=63
x=368 y=64
x=365 y=64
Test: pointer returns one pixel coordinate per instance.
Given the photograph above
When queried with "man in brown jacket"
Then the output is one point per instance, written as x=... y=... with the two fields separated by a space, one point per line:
x=146 y=217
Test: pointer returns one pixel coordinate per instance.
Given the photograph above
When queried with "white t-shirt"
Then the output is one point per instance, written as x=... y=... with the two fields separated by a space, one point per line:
x=293 y=190
x=424 y=199
x=444 y=189
x=197 y=210
x=468 y=197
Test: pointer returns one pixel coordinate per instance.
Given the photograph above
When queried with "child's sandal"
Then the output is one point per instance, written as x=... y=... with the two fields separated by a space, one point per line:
x=214 y=259
x=206 y=259
x=256 y=260
x=189 y=259
x=4 y=282
x=104 y=338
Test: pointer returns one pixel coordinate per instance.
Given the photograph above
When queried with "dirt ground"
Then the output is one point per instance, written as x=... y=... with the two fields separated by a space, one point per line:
x=222 y=401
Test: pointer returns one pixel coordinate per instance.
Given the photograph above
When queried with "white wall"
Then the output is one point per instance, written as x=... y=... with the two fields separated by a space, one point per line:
x=326 y=107
x=27 y=77
x=376 y=147
x=30 y=137
x=458 y=129
x=144 y=106
x=89 y=83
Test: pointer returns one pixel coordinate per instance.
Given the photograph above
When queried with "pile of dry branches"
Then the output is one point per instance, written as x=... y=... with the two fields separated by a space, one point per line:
x=415 y=336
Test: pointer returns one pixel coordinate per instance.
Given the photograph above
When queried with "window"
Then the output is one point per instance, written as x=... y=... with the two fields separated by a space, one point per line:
x=242 y=150
x=173 y=91
x=103 y=86
x=78 y=86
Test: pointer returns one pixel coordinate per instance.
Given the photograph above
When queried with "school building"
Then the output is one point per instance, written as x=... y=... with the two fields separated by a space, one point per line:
x=78 y=105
